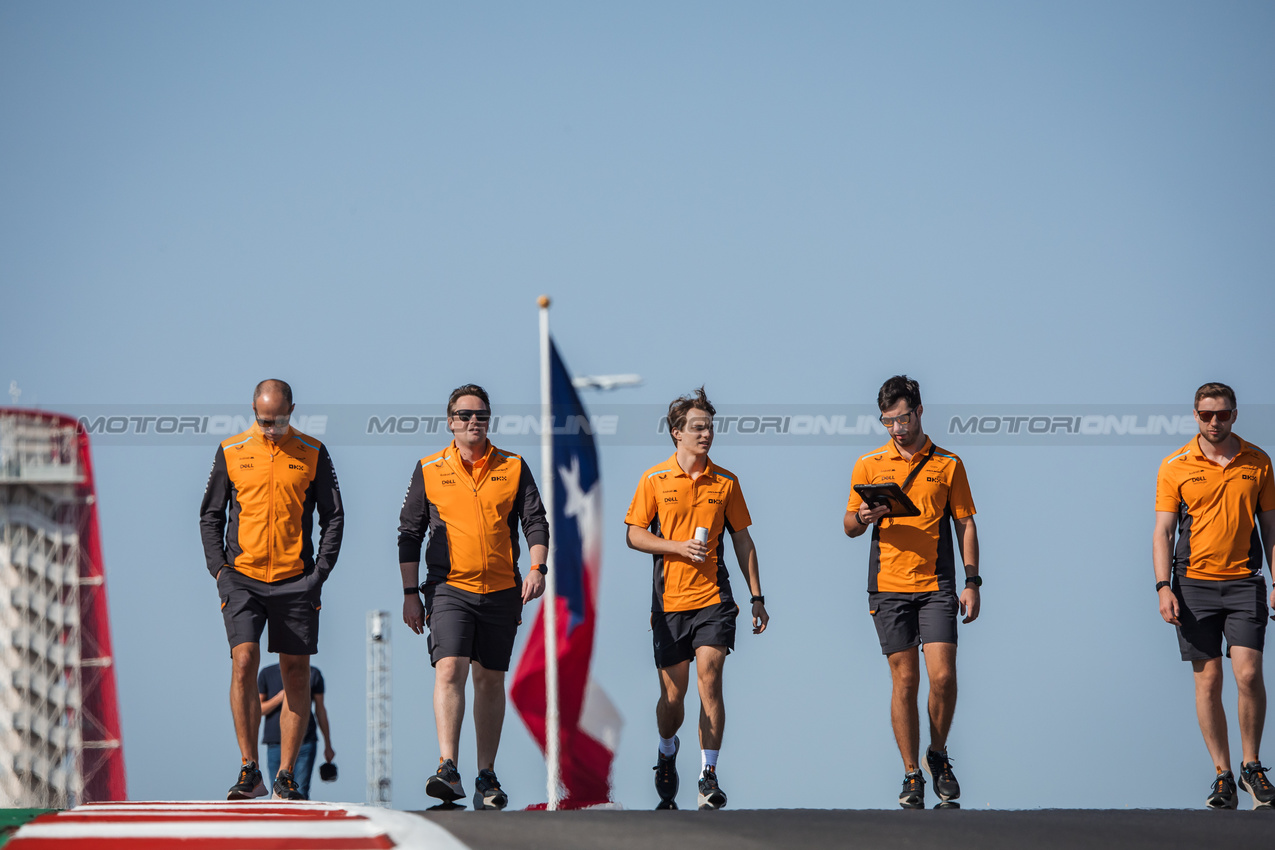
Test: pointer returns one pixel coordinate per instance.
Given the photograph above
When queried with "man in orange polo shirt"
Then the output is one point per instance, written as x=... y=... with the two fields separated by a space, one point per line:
x=912 y=584
x=1215 y=493
x=255 y=521
x=692 y=610
x=469 y=498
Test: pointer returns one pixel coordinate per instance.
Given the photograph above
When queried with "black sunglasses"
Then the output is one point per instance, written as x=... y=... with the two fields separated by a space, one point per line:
x=466 y=415
x=1222 y=415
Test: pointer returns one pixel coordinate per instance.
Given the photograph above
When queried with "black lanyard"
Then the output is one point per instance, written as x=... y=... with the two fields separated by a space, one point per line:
x=912 y=475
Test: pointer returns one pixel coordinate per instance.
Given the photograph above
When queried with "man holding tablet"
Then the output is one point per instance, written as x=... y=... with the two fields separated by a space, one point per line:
x=1215 y=492
x=912 y=584
x=680 y=514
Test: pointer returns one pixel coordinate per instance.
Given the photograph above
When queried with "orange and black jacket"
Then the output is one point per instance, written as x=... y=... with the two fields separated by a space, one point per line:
x=472 y=519
x=258 y=508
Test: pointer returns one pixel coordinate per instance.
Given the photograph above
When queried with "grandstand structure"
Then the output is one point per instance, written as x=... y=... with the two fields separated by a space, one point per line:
x=59 y=712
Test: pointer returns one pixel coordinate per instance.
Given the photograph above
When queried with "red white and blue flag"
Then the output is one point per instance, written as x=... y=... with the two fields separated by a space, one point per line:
x=589 y=722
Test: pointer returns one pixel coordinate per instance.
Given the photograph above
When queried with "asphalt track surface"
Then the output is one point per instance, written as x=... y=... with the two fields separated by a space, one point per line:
x=795 y=828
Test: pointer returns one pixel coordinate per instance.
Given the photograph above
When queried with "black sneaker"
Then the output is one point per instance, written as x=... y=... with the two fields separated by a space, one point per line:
x=913 y=794
x=666 y=774
x=711 y=795
x=1223 y=795
x=445 y=783
x=285 y=787
x=939 y=766
x=487 y=793
x=1253 y=780
x=249 y=784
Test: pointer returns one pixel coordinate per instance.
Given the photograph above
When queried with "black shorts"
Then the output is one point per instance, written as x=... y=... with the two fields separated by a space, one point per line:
x=479 y=626
x=677 y=634
x=1208 y=610
x=291 y=607
x=905 y=620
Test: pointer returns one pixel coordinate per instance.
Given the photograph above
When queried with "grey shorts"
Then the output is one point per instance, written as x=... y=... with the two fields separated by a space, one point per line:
x=291 y=607
x=677 y=634
x=905 y=620
x=478 y=626
x=1209 y=610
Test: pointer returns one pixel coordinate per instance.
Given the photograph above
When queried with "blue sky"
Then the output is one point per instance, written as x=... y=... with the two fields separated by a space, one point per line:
x=1022 y=204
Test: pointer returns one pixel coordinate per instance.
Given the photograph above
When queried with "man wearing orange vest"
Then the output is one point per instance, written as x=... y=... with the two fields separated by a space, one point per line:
x=1215 y=493
x=681 y=513
x=912 y=581
x=469 y=499
x=256 y=523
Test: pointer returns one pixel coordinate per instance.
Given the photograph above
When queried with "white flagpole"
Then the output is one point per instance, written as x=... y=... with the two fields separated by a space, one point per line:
x=552 y=757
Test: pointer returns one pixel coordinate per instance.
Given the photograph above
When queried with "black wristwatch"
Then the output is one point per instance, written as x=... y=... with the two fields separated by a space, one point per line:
x=409 y=591
x=543 y=569
x=757 y=599
x=977 y=581
x=1159 y=585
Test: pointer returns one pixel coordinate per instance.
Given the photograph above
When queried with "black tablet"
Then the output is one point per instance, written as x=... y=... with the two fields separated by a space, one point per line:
x=887 y=494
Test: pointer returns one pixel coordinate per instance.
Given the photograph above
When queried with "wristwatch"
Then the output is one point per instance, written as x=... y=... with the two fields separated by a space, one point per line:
x=758 y=598
x=1159 y=585
x=409 y=591
x=977 y=581
x=543 y=569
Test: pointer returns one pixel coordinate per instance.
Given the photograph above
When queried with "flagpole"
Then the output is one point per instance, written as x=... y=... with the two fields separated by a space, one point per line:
x=550 y=604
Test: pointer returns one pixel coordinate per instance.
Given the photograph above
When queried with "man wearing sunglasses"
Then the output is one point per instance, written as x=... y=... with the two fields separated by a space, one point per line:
x=1214 y=494
x=912 y=580
x=256 y=521
x=469 y=499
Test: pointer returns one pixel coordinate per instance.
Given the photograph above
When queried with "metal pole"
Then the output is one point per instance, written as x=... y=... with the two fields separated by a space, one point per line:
x=552 y=757
x=379 y=749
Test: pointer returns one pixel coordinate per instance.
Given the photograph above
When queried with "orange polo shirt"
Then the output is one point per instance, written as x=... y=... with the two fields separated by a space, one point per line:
x=669 y=503
x=1216 y=506
x=914 y=554
x=471 y=517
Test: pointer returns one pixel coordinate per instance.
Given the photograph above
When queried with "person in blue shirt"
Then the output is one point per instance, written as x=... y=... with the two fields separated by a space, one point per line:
x=270 y=690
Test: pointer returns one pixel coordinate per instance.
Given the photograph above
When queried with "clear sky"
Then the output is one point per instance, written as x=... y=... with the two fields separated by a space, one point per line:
x=1016 y=204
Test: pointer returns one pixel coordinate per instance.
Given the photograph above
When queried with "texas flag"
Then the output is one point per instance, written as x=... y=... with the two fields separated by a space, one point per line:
x=590 y=724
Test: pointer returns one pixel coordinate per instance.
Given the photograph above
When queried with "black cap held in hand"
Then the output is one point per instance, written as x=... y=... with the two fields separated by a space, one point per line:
x=327 y=772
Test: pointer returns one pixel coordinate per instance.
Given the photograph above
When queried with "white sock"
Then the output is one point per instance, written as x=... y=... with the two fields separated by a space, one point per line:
x=708 y=759
x=668 y=746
